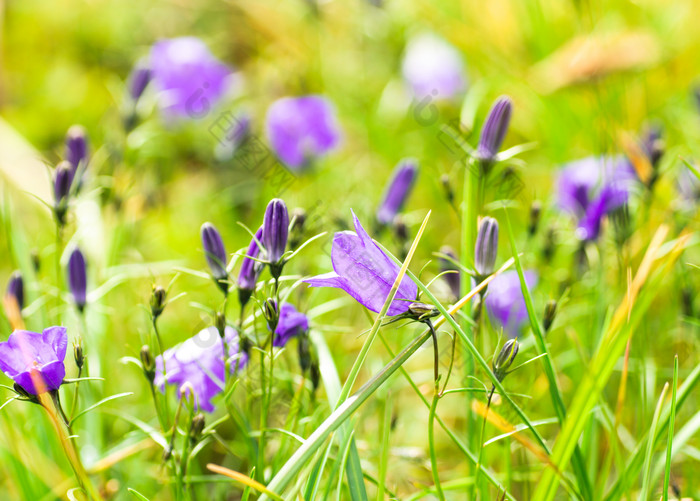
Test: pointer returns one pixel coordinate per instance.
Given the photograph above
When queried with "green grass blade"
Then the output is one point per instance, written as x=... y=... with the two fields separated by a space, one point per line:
x=646 y=472
x=672 y=420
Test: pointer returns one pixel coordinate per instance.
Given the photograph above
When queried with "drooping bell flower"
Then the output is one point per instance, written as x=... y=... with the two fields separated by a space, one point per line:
x=250 y=268
x=215 y=253
x=301 y=129
x=35 y=361
x=189 y=80
x=275 y=230
x=199 y=361
x=291 y=323
x=486 y=248
x=15 y=290
x=77 y=278
x=362 y=270
x=76 y=147
x=433 y=68
x=505 y=302
x=593 y=187
x=494 y=130
x=398 y=190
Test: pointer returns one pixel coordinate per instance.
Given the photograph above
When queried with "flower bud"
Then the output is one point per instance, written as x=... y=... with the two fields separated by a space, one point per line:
x=275 y=230
x=421 y=311
x=315 y=374
x=138 y=80
x=77 y=278
x=15 y=290
x=304 y=351
x=147 y=362
x=447 y=188
x=250 y=269
x=78 y=354
x=221 y=324
x=452 y=278
x=158 y=297
x=550 y=312
x=486 y=248
x=63 y=177
x=535 y=211
x=505 y=359
x=198 y=422
x=215 y=254
x=76 y=147
x=297 y=230
x=494 y=130
x=397 y=191
x=36 y=260
x=271 y=313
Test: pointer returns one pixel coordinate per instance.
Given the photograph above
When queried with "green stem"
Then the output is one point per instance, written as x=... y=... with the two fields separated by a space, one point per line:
x=481 y=440
x=431 y=416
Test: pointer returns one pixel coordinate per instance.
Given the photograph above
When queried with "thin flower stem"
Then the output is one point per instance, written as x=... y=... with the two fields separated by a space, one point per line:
x=431 y=417
x=162 y=355
x=74 y=405
x=481 y=440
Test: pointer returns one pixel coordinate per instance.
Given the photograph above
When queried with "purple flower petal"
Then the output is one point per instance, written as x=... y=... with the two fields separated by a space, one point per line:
x=291 y=324
x=505 y=302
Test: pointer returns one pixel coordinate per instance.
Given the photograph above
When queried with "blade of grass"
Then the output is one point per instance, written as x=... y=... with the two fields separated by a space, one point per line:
x=582 y=479
x=646 y=471
x=672 y=420
x=243 y=479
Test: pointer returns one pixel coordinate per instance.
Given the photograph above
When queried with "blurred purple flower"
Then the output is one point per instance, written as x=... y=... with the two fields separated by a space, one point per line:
x=301 y=129
x=505 y=302
x=398 y=190
x=653 y=145
x=363 y=270
x=494 y=130
x=593 y=187
x=76 y=148
x=291 y=324
x=15 y=289
x=452 y=279
x=77 y=278
x=433 y=67
x=189 y=79
x=35 y=361
x=139 y=79
x=688 y=185
x=199 y=361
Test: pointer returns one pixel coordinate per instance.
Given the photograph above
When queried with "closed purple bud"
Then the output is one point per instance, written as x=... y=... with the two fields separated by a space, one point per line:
x=138 y=80
x=62 y=180
x=250 y=269
x=495 y=128
x=76 y=146
x=397 y=190
x=505 y=359
x=486 y=248
x=77 y=278
x=275 y=229
x=214 y=251
x=15 y=289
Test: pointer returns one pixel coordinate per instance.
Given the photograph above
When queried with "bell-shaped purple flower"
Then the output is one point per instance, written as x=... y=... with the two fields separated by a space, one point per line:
x=505 y=302
x=275 y=229
x=301 y=129
x=214 y=251
x=189 y=80
x=452 y=278
x=199 y=361
x=486 y=248
x=398 y=190
x=35 y=361
x=494 y=130
x=250 y=269
x=15 y=289
x=592 y=188
x=77 y=278
x=433 y=68
x=76 y=146
x=291 y=323
x=362 y=270
x=139 y=79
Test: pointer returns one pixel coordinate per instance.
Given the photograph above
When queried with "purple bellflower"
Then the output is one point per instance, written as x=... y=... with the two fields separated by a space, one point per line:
x=275 y=230
x=199 y=361
x=433 y=68
x=505 y=302
x=291 y=324
x=486 y=248
x=452 y=279
x=362 y=270
x=398 y=190
x=35 y=361
x=189 y=80
x=301 y=129
x=15 y=289
x=494 y=131
x=77 y=278
x=593 y=187
x=76 y=147
x=250 y=269
x=214 y=251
